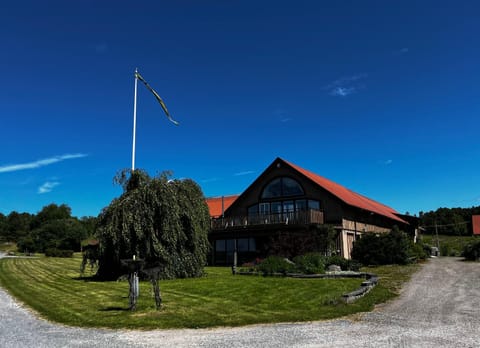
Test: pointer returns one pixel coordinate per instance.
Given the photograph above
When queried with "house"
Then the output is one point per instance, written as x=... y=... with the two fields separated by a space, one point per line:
x=289 y=200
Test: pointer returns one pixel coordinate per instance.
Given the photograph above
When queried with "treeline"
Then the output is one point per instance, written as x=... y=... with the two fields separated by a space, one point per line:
x=53 y=227
x=449 y=221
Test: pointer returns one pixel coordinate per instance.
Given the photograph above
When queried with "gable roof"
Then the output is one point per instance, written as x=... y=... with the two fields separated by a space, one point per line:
x=348 y=196
x=215 y=204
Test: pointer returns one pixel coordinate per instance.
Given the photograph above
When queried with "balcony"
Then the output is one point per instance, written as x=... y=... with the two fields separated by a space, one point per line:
x=291 y=218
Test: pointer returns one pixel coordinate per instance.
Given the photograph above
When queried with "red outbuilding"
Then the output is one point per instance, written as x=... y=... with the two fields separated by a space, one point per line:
x=476 y=224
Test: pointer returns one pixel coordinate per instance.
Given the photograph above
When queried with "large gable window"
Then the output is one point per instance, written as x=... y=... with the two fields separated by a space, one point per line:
x=282 y=187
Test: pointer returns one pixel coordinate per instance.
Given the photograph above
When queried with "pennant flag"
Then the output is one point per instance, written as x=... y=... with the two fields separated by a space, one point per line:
x=162 y=104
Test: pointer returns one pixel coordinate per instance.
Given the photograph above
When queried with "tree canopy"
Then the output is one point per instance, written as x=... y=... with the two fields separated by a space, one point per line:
x=164 y=222
x=449 y=221
x=51 y=228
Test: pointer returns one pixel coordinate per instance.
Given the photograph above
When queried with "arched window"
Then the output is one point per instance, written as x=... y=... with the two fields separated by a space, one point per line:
x=282 y=187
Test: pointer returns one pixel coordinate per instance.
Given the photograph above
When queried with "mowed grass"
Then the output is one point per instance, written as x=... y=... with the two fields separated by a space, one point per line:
x=53 y=288
x=8 y=247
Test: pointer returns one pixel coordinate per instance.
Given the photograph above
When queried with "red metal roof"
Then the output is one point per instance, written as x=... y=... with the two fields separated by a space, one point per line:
x=215 y=204
x=348 y=196
x=476 y=224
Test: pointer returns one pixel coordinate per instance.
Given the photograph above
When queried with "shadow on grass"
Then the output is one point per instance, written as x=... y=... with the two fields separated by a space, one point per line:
x=97 y=279
x=115 y=309
x=85 y=278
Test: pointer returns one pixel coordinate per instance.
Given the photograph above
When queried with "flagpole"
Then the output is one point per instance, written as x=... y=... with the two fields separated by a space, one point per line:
x=134 y=119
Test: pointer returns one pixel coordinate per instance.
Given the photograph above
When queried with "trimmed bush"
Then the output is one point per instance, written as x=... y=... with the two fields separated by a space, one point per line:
x=471 y=251
x=310 y=263
x=419 y=251
x=386 y=249
x=275 y=264
x=345 y=265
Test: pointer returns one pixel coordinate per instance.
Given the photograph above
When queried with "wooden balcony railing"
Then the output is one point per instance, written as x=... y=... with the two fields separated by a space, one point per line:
x=291 y=218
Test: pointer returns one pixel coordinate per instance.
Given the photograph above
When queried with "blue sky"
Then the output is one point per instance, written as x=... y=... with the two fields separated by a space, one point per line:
x=379 y=96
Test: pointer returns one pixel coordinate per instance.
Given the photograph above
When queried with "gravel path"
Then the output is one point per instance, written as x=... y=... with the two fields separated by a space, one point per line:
x=439 y=307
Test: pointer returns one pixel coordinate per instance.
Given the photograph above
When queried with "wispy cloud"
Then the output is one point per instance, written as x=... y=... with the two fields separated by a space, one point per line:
x=385 y=162
x=345 y=86
x=342 y=91
x=247 y=172
x=403 y=50
x=39 y=163
x=283 y=115
x=47 y=187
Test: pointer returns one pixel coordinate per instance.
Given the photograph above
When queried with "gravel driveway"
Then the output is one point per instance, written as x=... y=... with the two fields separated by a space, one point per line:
x=439 y=307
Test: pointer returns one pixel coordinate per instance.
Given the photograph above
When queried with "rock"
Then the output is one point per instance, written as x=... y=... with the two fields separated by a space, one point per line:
x=334 y=268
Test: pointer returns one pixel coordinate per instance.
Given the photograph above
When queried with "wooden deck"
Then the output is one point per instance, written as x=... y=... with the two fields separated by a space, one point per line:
x=291 y=218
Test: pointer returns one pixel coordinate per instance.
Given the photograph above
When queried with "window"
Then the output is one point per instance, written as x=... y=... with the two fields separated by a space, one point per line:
x=273 y=189
x=276 y=207
x=301 y=205
x=242 y=244
x=220 y=245
x=315 y=205
x=281 y=187
x=288 y=206
x=291 y=188
x=264 y=208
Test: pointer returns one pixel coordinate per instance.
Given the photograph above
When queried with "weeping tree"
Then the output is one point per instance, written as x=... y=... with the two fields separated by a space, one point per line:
x=164 y=222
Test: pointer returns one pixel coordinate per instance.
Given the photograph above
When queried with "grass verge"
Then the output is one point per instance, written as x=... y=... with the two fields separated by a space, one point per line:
x=8 y=247
x=53 y=288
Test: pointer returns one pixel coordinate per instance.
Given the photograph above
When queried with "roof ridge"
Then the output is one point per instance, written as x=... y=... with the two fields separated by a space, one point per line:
x=347 y=195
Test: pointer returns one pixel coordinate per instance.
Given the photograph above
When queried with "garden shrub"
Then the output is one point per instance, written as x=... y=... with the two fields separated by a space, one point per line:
x=345 y=265
x=275 y=264
x=471 y=251
x=419 y=251
x=310 y=263
x=445 y=250
x=53 y=252
x=385 y=249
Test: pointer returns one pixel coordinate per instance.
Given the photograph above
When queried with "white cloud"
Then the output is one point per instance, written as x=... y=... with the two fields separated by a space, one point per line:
x=247 y=172
x=387 y=162
x=39 y=163
x=47 y=187
x=342 y=91
x=345 y=86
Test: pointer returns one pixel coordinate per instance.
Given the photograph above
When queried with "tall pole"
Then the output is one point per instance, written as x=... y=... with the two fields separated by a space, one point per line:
x=134 y=120
x=438 y=242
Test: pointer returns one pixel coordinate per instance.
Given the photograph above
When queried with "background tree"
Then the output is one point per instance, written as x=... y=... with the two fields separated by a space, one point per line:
x=3 y=227
x=449 y=221
x=165 y=222
x=89 y=223
x=53 y=228
x=50 y=213
x=18 y=226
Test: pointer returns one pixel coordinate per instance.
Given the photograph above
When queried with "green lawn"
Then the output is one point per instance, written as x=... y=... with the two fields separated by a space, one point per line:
x=53 y=288
x=7 y=247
